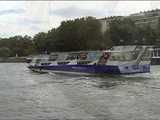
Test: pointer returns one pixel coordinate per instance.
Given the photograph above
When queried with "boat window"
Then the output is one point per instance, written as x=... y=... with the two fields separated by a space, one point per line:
x=124 y=56
x=72 y=56
x=95 y=55
x=53 y=57
x=45 y=63
x=38 y=60
x=63 y=63
x=83 y=62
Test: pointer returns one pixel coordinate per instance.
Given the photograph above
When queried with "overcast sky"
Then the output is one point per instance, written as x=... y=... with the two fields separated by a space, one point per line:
x=31 y=17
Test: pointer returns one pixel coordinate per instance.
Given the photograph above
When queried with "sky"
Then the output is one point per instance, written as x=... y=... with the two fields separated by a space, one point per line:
x=31 y=17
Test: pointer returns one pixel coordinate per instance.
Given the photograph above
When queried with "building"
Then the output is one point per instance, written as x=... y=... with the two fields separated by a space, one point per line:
x=106 y=21
x=141 y=19
x=146 y=18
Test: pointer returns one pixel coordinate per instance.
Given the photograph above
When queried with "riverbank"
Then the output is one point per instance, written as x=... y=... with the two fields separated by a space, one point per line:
x=13 y=60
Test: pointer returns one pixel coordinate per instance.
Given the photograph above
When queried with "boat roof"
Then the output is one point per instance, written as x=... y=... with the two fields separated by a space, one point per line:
x=124 y=48
x=76 y=52
x=118 y=49
x=127 y=48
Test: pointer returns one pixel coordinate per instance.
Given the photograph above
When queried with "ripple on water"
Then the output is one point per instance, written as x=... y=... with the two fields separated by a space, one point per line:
x=28 y=95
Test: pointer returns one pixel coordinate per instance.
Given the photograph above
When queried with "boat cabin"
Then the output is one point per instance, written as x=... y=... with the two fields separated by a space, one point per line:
x=115 y=56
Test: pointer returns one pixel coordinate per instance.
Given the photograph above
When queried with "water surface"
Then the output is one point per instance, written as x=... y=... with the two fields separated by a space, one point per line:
x=25 y=95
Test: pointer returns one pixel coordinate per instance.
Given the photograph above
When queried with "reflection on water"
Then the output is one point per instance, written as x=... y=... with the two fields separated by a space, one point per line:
x=25 y=95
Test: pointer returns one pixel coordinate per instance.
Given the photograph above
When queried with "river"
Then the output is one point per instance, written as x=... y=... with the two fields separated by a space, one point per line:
x=25 y=95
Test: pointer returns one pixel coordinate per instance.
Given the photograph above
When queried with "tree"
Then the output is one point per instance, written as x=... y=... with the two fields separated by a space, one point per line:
x=158 y=33
x=5 y=52
x=40 y=42
x=51 y=40
x=147 y=35
x=79 y=34
x=122 y=32
x=107 y=42
x=18 y=45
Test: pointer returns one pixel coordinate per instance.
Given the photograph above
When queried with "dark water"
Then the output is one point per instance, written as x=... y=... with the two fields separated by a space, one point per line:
x=25 y=95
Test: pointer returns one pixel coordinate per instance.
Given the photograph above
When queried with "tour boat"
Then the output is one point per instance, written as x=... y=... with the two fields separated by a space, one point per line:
x=117 y=60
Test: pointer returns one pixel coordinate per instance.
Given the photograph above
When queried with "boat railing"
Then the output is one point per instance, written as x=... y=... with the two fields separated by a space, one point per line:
x=144 y=55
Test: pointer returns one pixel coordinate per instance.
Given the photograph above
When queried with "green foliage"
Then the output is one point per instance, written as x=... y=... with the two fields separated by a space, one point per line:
x=40 y=42
x=122 y=32
x=149 y=35
x=157 y=30
x=19 y=45
x=5 y=52
x=107 y=41
x=51 y=40
x=78 y=34
x=81 y=34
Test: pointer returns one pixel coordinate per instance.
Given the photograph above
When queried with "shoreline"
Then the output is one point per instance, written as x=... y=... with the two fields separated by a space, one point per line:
x=14 y=60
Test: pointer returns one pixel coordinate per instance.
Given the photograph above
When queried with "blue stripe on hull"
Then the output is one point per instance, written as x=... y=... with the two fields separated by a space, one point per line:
x=81 y=68
x=96 y=68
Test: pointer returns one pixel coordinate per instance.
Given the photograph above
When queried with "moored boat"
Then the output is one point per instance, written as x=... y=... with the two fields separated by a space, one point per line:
x=118 y=60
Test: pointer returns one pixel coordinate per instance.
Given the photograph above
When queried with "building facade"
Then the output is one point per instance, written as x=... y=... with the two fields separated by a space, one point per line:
x=141 y=19
x=105 y=22
x=150 y=18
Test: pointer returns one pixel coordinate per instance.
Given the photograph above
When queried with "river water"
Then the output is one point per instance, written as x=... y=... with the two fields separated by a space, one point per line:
x=25 y=95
